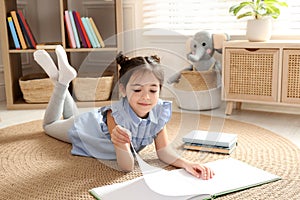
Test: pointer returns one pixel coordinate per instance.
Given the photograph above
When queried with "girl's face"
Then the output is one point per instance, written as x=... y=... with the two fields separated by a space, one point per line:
x=142 y=92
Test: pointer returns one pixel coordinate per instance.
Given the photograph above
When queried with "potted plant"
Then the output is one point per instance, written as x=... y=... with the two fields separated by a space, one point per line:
x=259 y=28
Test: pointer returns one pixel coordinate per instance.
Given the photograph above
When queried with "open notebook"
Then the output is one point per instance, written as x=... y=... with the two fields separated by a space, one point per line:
x=157 y=184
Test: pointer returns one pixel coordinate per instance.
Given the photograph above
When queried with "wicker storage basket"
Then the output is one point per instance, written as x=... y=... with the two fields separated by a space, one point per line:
x=197 y=80
x=92 y=89
x=36 y=88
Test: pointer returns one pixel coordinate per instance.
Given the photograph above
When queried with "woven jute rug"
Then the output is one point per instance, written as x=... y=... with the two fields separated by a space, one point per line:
x=36 y=166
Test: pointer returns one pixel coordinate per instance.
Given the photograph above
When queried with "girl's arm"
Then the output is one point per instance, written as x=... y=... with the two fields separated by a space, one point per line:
x=121 y=143
x=169 y=156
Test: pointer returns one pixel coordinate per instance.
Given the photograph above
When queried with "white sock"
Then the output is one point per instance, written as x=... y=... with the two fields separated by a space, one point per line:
x=45 y=61
x=66 y=72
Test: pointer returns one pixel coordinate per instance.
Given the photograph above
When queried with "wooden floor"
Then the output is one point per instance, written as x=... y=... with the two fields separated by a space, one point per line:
x=286 y=125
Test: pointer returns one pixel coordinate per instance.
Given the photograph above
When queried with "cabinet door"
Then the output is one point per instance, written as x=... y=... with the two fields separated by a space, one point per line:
x=251 y=74
x=291 y=76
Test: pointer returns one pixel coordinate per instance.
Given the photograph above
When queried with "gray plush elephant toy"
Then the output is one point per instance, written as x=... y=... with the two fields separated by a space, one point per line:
x=202 y=47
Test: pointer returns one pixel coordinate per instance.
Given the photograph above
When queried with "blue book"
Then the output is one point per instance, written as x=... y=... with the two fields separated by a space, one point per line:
x=88 y=31
x=13 y=33
x=93 y=32
x=74 y=29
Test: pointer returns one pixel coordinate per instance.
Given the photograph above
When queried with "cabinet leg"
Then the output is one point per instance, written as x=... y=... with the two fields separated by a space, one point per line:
x=238 y=105
x=229 y=107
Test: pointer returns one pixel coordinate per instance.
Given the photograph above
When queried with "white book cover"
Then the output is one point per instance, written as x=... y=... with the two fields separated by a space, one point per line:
x=210 y=138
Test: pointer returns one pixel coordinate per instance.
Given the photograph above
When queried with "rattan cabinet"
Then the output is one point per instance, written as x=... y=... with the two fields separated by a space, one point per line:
x=261 y=72
x=291 y=76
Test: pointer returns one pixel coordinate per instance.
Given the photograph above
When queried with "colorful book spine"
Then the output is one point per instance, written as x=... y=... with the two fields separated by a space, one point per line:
x=81 y=27
x=27 y=29
x=93 y=32
x=89 y=33
x=13 y=33
x=76 y=36
x=26 y=36
x=79 y=30
x=18 y=28
x=69 y=30
x=99 y=37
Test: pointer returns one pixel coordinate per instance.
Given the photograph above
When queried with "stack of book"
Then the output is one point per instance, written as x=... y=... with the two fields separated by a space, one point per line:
x=21 y=33
x=216 y=142
x=82 y=31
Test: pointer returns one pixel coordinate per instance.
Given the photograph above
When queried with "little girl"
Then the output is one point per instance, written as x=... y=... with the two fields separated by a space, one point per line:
x=138 y=118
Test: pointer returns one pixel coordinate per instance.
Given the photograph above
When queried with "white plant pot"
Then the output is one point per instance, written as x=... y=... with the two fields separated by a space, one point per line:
x=259 y=30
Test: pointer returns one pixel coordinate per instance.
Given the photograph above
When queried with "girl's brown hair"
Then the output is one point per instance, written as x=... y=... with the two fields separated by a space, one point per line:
x=129 y=66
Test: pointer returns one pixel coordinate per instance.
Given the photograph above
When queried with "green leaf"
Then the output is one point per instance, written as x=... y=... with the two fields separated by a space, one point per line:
x=247 y=14
x=274 y=2
x=237 y=8
x=257 y=8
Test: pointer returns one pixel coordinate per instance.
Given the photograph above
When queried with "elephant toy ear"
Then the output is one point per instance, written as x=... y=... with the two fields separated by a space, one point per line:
x=218 y=40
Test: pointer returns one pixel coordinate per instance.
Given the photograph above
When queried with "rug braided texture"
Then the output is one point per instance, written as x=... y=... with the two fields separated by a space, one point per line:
x=36 y=166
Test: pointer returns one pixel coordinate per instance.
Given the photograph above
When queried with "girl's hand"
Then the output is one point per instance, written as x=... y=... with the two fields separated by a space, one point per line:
x=120 y=135
x=199 y=171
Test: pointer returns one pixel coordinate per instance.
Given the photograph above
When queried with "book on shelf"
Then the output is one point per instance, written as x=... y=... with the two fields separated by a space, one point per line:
x=209 y=148
x=69 y=30
x=26 y=30
x=25 y=34
x=18 y=28
x=97 y=32
x=231 y=175
x=76 y=36
x=47 y=45
x=13 y=33
x=81 y=38
x=92 y=31
x=89 y=32
x=210 y=138
x=82 y=32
